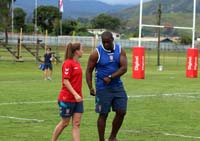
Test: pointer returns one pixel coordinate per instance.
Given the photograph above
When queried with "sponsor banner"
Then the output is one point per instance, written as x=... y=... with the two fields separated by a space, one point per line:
x=192 y=63
x=138 y=62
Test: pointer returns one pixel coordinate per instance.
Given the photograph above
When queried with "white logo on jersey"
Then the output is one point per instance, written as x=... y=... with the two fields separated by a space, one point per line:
x=66 y=71
x=111 y=57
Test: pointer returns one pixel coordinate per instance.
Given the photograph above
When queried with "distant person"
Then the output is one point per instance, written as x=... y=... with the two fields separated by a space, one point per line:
x=70 y=99
x=48 y=58
x=110 y=63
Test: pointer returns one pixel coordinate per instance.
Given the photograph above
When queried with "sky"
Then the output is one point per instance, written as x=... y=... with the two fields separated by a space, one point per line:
x=122 y=1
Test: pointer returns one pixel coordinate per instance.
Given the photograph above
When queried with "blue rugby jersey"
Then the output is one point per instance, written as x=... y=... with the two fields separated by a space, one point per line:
x=108 y=62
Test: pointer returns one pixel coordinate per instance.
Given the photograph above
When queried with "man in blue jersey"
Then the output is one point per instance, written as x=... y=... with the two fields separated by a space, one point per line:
x=110 y=63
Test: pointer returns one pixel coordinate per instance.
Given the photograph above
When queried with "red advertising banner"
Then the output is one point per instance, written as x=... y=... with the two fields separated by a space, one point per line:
x=138 y=62
x=192 y=63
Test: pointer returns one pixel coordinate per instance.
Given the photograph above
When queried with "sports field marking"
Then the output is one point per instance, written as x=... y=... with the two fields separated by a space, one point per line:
x=181 y=135
x=21 y=103
x=164 y=133
x=92 y=98
x=35 y=102
x=167 y=94
x=26 y=119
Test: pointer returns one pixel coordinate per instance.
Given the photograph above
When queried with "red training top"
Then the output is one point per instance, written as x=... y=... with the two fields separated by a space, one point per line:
x=72 y=71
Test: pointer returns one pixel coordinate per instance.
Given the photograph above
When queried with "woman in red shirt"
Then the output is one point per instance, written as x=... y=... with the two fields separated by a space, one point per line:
x=70 y=99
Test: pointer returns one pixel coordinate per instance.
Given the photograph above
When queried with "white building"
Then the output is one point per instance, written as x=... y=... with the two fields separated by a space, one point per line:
x=100 y=31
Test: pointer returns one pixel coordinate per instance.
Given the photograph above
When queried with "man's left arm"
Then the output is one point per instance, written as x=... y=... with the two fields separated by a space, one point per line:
x=123 y=65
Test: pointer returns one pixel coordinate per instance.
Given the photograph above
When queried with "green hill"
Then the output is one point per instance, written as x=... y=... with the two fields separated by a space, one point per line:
x=174 y=13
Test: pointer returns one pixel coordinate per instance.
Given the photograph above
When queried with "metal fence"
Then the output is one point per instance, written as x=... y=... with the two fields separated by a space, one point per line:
x=90 y=41
x=58 y=42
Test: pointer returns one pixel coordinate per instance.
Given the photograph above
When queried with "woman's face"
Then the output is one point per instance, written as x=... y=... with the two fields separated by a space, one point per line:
x=80 y=51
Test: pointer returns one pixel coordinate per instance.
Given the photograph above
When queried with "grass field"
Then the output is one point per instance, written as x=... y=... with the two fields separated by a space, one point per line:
x=162 y=107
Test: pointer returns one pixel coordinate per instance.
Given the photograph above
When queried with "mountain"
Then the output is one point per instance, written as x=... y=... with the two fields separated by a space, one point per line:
x=150 y=8
x=72 y=9
x=173 y=13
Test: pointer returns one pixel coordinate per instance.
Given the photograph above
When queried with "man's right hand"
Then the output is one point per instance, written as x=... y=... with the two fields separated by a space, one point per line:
x=92 y=92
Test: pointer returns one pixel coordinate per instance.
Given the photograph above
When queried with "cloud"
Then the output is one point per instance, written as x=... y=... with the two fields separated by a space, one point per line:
x=114 y=2
x=122 y=1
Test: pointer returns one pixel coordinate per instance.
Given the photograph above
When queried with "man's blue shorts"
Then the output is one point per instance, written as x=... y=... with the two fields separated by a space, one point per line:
x=111 y=97
x=67 y=109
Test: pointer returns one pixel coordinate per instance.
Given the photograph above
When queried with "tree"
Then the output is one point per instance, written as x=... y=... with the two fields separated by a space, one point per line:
x=46 y=16
x=105 y=21
x=186 y=40
x=69 y=26
x=29 y=28
x=56 y=29
x=5 y=14
x=19 y=18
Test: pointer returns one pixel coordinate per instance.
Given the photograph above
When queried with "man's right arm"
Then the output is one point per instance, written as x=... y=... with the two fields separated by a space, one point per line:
x=92 y=61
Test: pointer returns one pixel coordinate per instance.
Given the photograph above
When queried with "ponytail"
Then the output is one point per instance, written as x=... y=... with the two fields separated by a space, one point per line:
x=70 y=50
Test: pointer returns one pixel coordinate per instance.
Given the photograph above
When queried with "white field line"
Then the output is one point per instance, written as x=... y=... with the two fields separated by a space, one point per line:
x=26 y=119
x=21 y=103
x=181 y=135
x=35 y=102
x=92 y=98
x=168 y=94
x=166 y=134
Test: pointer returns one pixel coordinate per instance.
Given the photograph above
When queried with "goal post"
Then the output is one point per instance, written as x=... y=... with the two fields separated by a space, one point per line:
x=139 y=51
